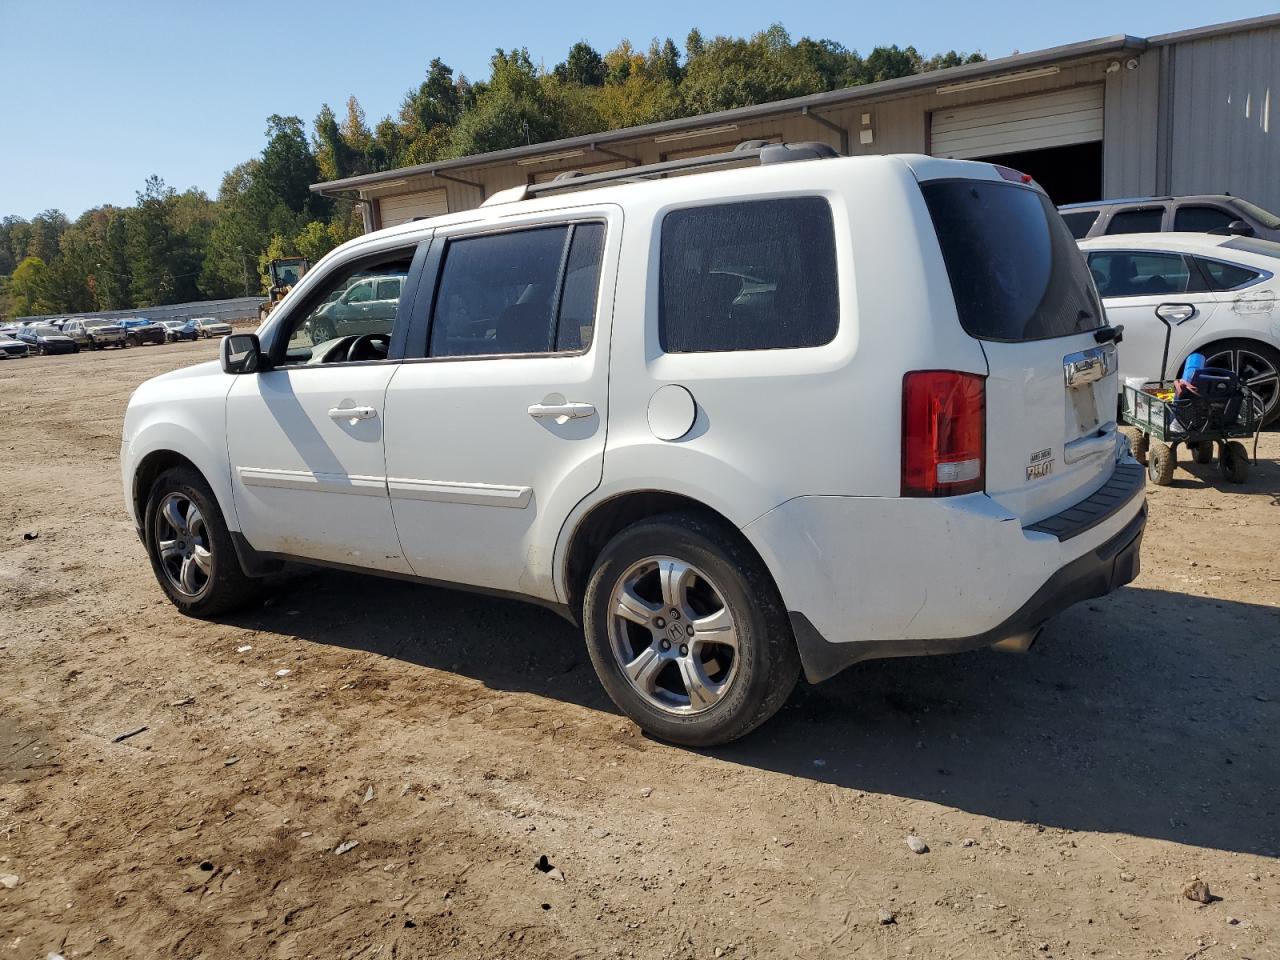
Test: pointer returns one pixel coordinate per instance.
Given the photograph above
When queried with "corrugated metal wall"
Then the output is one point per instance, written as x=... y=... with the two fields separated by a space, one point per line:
x=1223 y=129
x=1129 y=142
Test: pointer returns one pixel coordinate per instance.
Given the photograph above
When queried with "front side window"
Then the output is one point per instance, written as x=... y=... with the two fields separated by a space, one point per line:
x=1126 y=273
x=342 y=322
x=1191 y=219
x=522 y=292
x=1143 y=220
x=758 y=275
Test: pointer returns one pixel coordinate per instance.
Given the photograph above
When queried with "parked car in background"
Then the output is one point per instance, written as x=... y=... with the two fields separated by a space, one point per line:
x=138 y=330
x=209 y=327
x=1219 y=294
x=95 y=334
x=11 y=349
x=176 y=330
x=1206 y=213
x=666 y=408
x=46 y=340
x=368 y=306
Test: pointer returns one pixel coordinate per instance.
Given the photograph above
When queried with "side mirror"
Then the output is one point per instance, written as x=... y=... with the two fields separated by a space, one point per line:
x=241 y=353
x=1238 y=228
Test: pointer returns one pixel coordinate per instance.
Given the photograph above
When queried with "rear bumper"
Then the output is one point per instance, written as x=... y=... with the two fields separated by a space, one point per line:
x=864 y=578
x=1097 y=573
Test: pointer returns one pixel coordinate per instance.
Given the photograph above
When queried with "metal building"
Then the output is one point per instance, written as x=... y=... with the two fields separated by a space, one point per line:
x=1122 y=116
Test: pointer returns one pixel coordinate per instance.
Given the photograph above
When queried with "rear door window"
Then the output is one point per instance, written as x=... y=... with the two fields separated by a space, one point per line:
x=1015 y=269
x=1201 y=219
x=1140 y=220
x=1080 y=222
x=758 y=275
x=1131 y=273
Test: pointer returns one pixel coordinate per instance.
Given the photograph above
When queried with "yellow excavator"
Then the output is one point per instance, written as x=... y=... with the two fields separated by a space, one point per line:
x=284 y=273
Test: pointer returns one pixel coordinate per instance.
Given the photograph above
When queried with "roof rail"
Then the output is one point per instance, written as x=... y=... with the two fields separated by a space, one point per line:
x=761 y=150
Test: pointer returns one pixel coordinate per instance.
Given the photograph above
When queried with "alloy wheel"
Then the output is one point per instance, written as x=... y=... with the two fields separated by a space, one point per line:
x=1255 y=371
x=673 y=635
x=182 y=543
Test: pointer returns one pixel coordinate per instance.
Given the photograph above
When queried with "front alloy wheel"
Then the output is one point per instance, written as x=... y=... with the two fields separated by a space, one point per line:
x=673 y=635
x=182 y=542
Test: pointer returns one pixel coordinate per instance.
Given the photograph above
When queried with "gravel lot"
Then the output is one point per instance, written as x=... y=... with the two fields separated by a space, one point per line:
x=1067 y=796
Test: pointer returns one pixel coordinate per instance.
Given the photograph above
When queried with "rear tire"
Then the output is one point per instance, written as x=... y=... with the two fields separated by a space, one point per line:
x=690 y=584
x=1160 y=463
x=1234 y=462
x=191 y=551
x=1258 y=366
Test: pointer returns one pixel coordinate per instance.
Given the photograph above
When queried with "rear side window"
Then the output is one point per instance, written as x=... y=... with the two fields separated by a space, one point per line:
x=523 y=292
x=1226 y=276
x=1015 y=270
x=1146 y=220
x=1201 y=219
x=758 y=275
x=1080 y=222
x=1126 y=273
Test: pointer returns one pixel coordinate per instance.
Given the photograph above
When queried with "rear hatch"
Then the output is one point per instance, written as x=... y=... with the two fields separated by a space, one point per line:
x=1023 y=290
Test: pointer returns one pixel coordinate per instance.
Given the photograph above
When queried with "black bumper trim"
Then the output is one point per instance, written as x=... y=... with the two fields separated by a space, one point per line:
x=1127 y=481
x=1100 y=571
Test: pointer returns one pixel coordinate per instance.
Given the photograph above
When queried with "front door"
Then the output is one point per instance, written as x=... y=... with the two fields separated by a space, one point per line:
x=499 y=431
x=305 y=437
x=1134 y=285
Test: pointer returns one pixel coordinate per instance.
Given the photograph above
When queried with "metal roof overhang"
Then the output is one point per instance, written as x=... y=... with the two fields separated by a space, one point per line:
x=813 y=102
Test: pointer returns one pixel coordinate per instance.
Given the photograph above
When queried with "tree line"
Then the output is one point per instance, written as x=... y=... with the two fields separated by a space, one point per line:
x=172 y=247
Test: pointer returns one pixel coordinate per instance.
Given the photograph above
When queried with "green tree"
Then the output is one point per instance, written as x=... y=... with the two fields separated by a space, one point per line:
x=27 y=287
x=583 y=66
x=511 y=110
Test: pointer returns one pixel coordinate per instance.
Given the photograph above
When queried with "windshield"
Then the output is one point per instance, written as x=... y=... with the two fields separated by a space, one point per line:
x=1015 y=269
x=1264 y=217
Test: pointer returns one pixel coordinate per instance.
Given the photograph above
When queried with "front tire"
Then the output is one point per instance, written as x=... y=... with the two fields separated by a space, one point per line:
x=190 y=547
x=1160 y=463
x=687 y=631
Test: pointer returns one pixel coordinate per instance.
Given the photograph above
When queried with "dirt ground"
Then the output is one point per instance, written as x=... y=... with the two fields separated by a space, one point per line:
x=1067 y=796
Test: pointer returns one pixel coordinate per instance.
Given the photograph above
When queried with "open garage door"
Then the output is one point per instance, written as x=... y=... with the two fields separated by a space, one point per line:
x=1056 y=137
x=411 y=206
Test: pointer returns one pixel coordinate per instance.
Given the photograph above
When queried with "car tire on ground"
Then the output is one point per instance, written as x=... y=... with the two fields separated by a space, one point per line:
x=1234 y=462
x=687 y=631
x=1258 y=365
x=190 y=548
x=1160 y=463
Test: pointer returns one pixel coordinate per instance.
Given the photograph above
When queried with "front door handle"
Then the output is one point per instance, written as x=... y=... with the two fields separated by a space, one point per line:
x=568 y=410
x=352 y=413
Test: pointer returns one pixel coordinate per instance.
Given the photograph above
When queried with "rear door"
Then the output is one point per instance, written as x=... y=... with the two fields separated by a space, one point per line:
x=1138 y=288
x=1022 y=289
x=498 y=431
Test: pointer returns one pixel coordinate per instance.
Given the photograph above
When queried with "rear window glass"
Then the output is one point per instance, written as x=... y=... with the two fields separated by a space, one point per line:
x=1136 y=221
x=1080 y=222
x=1015 y=270
x=759 y=275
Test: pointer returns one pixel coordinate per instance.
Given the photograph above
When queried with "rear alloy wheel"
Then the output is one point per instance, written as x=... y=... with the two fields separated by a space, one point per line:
x=191 y=551
x=1258 y=367
x=687 y=632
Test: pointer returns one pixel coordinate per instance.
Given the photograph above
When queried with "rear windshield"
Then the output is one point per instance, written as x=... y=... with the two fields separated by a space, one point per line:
x=1267 y=248
x=1015 y=270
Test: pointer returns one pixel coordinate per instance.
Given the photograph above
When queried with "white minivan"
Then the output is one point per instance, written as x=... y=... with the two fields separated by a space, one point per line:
x=783 y=412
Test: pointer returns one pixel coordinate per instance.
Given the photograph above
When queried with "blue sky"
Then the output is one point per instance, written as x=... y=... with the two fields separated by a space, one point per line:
x=96 y=96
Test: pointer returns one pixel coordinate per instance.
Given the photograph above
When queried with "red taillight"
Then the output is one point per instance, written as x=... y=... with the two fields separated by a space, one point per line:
x=1017 y=176
x=943 y=433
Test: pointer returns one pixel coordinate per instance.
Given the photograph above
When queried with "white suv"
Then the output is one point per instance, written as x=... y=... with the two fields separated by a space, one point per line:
x=737 y=424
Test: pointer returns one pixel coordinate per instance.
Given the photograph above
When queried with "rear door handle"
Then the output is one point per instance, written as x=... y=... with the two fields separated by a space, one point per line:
x=352 y=413
x=569 y=410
